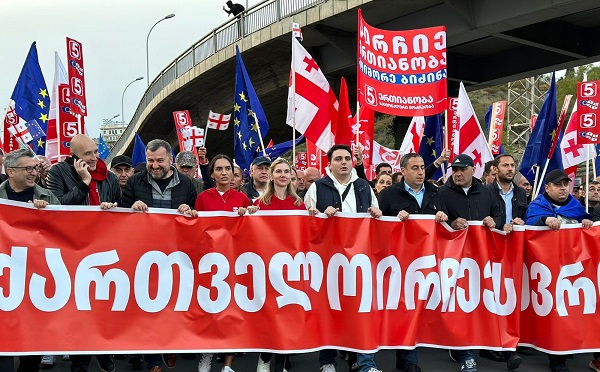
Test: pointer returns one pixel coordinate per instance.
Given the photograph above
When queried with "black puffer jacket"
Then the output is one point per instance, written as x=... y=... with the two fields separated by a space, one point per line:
x=477 y=204
x=518 y=201
x=394 y=199
x=67 y=186
x=138 y=188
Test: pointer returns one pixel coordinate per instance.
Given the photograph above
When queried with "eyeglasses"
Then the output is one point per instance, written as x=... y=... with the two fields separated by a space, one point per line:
x=28 y=169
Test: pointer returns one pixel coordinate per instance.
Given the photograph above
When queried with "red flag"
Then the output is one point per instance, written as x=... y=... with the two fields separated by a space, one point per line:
x=343 y=130
x=270 y=144
x=316 y=157
x=76 y=77
x=402 y=72
x=11 y=118
x=312 y=105
x=366 y=136
x=496 y=125
x=182 y=123
x=470 y=138
x=60 y=120
x=412 y=138
x=452 y=130
x=588 y=100
x=217 y=121
x=301 y=161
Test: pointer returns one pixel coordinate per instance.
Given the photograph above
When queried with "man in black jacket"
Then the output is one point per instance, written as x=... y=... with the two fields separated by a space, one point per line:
x=464 y=198
x=259 y=177
x=83 y=178
x=412 y=195
x=160 y=185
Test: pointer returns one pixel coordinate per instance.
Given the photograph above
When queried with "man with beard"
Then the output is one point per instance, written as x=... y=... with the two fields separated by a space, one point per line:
x=511 y=199
x=259 y=177
x=160 y=185
x=553 y=208
x=593 y=196
x=523 y=183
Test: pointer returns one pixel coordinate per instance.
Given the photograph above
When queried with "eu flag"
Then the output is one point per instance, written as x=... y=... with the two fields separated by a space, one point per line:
x=246 y=142
x=279 y=149
x=139 y=151
x=103 y=150
x=32 y=101
x=540 y=142
x=432 y=142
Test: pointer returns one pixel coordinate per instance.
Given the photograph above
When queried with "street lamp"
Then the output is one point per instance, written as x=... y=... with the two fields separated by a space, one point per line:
x=107 y=121
x=147 y=39
x=123 y=97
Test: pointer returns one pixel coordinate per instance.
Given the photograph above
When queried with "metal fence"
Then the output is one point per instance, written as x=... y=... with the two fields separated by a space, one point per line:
x=256 y=18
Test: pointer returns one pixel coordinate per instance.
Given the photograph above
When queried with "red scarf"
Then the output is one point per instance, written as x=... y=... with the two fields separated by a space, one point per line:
x=98 y=175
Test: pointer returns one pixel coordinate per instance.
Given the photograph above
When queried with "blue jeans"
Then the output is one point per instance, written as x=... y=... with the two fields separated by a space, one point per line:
x=465 y=354
x=153 y=360
x=366 y=362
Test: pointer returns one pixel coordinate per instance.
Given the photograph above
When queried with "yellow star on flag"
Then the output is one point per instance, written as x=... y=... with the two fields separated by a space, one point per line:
x=553 y=134
x=43 y=93
x=254 y=127
x=251 y=142
x=236 y=121
x=240 y=135
x=236 y=107
x=430 y=141
x=243 y=97
x=44 y=118
x=433 y=153
x=40 y=143
x=41 y=103
x=244 y=146
x=249 y=112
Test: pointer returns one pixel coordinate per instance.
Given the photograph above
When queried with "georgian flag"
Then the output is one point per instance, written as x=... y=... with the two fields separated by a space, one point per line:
x=469 y=137
x=27 y=132
x=382 y=154
x=412 y=139
x=297 y=31
x=312 y=104
x=217 y=121
x=574 y=153
x=192 y=137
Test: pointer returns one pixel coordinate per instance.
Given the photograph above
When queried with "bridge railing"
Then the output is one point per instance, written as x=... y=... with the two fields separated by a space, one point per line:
x=256 y=18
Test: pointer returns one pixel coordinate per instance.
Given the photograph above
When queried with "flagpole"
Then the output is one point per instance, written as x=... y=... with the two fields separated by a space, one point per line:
x=535 y=181
x=206 y=133
x=262 y=144
x=594 y=162
x=293 y=72
x=3 y=120
x=358 y=124
x=587 y=178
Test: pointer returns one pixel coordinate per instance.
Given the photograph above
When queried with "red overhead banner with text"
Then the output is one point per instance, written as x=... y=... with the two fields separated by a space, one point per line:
x=76 y=72
x=402 y=72
x=215 y=282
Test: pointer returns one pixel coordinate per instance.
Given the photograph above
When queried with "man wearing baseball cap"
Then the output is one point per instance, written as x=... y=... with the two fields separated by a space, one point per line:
x=259 y=177
x=464 y=198
x=186 y=163
x=556 y=206
x=122 y=167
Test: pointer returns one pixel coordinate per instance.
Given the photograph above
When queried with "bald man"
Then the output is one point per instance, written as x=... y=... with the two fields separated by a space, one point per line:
x=83 y=178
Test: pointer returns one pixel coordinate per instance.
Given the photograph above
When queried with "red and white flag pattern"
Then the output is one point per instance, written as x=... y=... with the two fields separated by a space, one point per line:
x=60 y=120
x=382 y=154
x=296 y=31
x=21 y=132
x=312 y=104
x=76 y=77
x=574 y=152
x=469 y=139
x=412 y=139
x=11 y=118
x=192 y=137
x=217 y=121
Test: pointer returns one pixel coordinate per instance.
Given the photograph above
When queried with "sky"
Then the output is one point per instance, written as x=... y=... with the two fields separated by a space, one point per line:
x=113 y=34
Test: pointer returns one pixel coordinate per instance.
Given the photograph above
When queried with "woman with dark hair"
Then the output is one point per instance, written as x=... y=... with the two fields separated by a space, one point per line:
x=221 y=198
x=279 y=195
x=382 y=181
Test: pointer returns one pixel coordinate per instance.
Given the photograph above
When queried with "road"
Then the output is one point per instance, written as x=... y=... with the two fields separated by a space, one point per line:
x=430 y=360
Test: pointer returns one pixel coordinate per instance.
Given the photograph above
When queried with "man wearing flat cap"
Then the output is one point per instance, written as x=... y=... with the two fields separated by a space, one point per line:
x=186 y=163
x=122 y=167
x=556 y=206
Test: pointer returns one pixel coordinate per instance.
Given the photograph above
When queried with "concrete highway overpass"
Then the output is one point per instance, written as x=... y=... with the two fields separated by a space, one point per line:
x=489 y=42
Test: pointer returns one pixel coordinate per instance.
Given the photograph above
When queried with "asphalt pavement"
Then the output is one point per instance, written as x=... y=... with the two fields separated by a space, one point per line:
x=430 y=360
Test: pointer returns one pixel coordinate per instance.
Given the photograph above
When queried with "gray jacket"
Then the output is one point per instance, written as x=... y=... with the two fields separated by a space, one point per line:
x=39 y=193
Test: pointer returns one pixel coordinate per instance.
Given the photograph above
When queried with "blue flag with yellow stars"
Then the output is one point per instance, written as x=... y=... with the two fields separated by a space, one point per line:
x=432 y=142
x=279 y=149
x=32 y=101
x=103 y=149
x=246 y=142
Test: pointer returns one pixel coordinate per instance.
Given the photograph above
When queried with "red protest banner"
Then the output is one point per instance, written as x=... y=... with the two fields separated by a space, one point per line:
x=76 y=73
x=402 y=72
x=395 y=284
x=496 y=126
x=588 y=99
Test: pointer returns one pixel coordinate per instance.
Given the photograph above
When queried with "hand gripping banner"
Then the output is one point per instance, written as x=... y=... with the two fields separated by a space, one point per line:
x=82 y=280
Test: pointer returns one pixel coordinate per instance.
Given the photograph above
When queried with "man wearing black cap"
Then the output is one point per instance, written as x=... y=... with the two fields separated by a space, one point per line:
x=464 y=198
x=122 y=167
x=259 y=177
x=553 y=208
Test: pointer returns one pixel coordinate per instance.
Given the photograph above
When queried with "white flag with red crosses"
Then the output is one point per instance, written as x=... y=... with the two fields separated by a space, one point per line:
x=218 y=121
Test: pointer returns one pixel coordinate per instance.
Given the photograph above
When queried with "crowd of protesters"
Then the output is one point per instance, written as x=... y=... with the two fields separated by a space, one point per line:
x=501 y=199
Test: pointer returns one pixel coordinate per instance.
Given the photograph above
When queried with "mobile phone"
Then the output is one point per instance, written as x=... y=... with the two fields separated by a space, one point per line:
x=75 y=157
